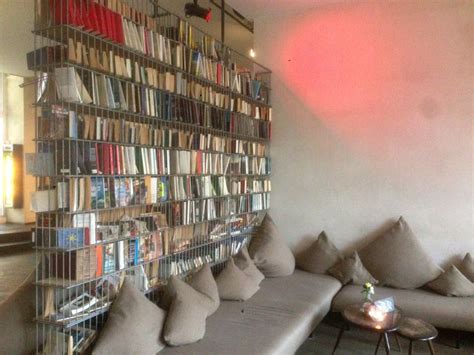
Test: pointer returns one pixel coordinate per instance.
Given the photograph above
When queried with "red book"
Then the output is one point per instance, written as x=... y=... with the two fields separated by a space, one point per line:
x=112 y=160
x=100 y=260
x=92 y=14
x=199 y=162
x=119 y=28
x=105 y=159
x=80 y=14
x=99 y=10
x=98 y=155
x=219 y=73
x=63 y=12
x=159 y=160
x=109 y=24
x=87 y=236
x=118 y=160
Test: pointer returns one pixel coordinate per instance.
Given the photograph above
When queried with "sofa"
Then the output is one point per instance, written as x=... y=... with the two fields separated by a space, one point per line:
x=276 y=320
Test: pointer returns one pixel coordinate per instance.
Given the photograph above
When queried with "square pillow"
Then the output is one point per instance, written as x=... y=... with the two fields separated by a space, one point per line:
x=397 y=259
x=186 y=320
x=351 y=270
x=234 y=284
x=134 y=325
x=203 y=282
x=245 y=263
x=467 y=267
x=319 y=256
x=269 y=252
x=452 y=283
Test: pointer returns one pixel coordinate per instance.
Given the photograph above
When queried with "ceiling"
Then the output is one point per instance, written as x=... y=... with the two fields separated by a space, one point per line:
x=258 y=9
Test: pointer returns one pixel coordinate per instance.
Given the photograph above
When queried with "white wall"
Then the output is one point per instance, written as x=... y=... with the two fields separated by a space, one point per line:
x=373 y=109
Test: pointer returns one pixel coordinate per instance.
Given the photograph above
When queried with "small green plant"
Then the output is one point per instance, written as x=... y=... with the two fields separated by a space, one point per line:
x=368 y=290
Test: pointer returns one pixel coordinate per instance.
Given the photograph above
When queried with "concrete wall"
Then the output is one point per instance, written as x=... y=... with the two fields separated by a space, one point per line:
x=373 y=110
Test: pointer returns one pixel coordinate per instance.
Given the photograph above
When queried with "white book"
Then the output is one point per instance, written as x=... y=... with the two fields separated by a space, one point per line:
x=67 y=87
x=43 y=201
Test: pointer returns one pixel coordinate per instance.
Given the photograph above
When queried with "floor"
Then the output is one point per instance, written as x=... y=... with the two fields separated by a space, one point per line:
x=360 y=342
x=14 y=268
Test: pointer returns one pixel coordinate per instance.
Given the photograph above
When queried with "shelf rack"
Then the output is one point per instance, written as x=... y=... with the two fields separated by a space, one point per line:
x=146 y=165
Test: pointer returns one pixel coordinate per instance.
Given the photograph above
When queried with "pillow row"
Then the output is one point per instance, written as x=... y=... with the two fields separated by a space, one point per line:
x=396 y=258
x=135 y=325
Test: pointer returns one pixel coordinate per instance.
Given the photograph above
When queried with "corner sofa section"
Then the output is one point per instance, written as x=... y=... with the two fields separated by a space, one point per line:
x=276 y=320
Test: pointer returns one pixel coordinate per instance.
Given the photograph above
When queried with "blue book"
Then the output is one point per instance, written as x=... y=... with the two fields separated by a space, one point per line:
x=64 y=238
x=97 y=192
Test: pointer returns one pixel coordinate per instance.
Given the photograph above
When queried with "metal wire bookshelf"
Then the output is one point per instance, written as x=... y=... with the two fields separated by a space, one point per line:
x=152 y=157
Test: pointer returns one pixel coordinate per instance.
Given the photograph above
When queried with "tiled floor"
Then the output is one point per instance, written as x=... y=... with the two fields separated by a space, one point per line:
x=14 y=268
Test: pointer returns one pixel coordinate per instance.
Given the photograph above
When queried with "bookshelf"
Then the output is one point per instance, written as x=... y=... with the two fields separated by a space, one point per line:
x=152 y=157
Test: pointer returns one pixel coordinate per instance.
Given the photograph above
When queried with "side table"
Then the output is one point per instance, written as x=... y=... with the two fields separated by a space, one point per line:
x=353 y=315
x=417 y=330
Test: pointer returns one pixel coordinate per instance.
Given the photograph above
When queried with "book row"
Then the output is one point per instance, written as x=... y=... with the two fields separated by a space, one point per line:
x=60 y=122
x=90 y=229
x=90 y=158
x=153 y=44
x=88 y=87
x=105 y=259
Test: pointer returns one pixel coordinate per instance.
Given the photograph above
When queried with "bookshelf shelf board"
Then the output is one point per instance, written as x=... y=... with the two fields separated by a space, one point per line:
x=61 y=34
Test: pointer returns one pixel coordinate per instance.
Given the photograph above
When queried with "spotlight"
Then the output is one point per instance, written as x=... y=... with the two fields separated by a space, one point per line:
x=193 y=9
x=252 y=53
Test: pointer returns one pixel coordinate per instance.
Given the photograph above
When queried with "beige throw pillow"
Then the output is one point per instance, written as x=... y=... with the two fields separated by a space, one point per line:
x=234 y=284
x=269 y=252
x=467 y=267
x=396 y=258
x=319 y=256
x=201 y=281
x=351 y=270
x=452 y=283
x=134 y=325
x=186 y=320
x=245 y=263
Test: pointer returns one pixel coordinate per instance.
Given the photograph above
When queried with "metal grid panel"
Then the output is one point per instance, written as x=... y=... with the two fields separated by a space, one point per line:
x=152 y=157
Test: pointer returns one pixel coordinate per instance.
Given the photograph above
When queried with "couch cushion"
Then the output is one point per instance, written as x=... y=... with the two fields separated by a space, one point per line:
x=319 y=256
x=16 y=320
x=276 y=320
x=270 y=252
x=440 y=311
x=186 y=320
x=467 y=267
x=452 y=283
x=245 y=263
x=351 y=270
x=397 y=259
x=234 y=284
x=133 y=325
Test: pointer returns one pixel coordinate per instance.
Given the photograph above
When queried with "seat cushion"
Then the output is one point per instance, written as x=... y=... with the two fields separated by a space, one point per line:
x=440 y=311
x=276 y=320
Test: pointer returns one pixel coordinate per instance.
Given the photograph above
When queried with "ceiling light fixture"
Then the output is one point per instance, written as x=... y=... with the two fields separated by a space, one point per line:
x=193 y=9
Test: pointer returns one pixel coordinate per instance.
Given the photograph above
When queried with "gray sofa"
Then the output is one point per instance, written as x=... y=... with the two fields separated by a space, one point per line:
x=276 y=320
x=444 y=312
